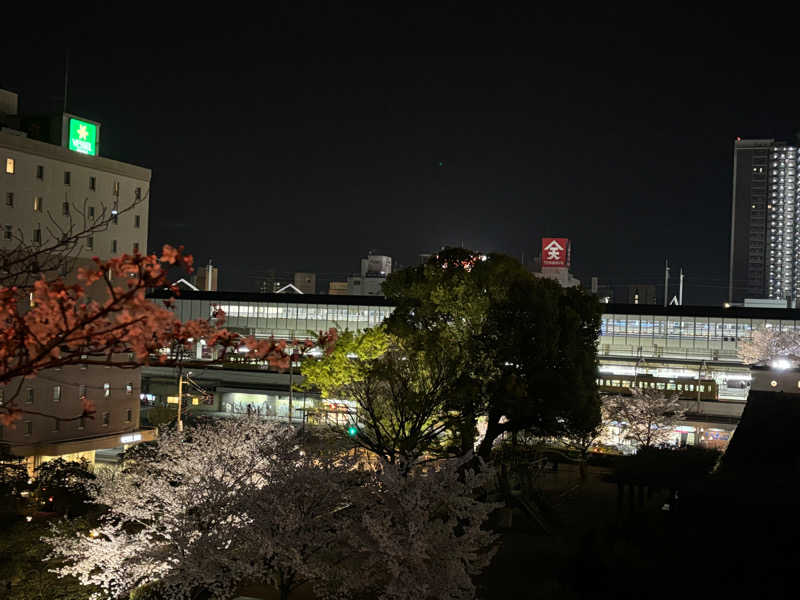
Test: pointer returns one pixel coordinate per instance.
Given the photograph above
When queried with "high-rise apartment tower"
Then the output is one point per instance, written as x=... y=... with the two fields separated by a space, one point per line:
x=765 y=233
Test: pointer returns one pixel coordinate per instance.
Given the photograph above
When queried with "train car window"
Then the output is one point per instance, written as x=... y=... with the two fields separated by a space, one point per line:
x=670 y=386
x=615 y=382
x=660 y=386
x=680 y=386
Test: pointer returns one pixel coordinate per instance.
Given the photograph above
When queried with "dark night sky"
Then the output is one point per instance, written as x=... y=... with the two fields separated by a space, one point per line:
x=302 y=138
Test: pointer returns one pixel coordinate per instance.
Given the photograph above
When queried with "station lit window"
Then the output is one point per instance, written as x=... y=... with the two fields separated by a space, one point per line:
x=10 y=166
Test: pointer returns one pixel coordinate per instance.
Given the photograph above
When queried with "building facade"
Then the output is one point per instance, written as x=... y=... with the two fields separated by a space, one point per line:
x=765 y=240
x=306 y=282
x=636 y=340
x=375 y=269
x=47 y=188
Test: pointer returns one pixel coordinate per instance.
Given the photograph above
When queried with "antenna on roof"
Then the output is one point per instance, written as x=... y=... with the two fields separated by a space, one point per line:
x=66 y=77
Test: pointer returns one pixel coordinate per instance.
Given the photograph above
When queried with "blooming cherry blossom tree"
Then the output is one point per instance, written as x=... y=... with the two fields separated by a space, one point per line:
x=425 y=531
x=106 y=319
x=769 y=344
x=648 y=415
x=238 y=503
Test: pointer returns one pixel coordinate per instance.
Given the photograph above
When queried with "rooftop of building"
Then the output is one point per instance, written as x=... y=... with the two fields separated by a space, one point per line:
x=22 y=143
x=611 y=308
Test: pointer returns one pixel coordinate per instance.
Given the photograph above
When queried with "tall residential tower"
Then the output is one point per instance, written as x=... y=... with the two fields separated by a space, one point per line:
x=765 y=237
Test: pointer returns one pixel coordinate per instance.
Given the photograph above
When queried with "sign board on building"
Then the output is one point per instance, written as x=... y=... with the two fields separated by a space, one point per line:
x=555 y=252
x=130 y=438
x=82 y=136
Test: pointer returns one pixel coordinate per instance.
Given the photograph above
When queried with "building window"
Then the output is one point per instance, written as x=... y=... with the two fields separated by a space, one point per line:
x=10 y=166
x=37 y=236
x=56 y=393
x=39 y=172
x=38 y=204
x=116 y=188
x=28 y=427
x=67 y=177
x=90 y=242
x=7 y=232
x=138 y=193
x=137 y=221
x=81 y=424
x=115 y=218
x=10 y=199
x=65 y=208
x=106 y=419
x=3 y=395
x=29 y=396
x=83 y=389
x=129 y=388
x=113 y=245
x=56 y=425
x=91 y=211
x=129 y=415
x=135 y=246
x=92 y=183
x=107 y=390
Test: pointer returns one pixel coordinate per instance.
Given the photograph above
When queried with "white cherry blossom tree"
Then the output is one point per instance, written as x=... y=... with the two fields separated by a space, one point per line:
x=648 y=416
x=425 y=531
x=236 y=503
x=769 y=344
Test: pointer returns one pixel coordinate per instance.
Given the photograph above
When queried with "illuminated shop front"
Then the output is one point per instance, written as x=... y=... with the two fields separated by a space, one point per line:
x=275 y=404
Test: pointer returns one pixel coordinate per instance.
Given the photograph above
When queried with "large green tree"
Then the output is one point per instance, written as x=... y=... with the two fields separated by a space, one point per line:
x=524 y=349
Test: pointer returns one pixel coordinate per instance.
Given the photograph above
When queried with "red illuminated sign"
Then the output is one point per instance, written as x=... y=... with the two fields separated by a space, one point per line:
x=555 y=252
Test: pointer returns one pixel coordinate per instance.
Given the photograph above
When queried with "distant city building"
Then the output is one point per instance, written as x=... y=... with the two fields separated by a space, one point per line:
x=765 y=237
x=271 y=282
x=555 y=262
x=50 y=178
x=306 y=282
x=207 y=278
x=640 y=293
x=374 y=270
x=337 y=288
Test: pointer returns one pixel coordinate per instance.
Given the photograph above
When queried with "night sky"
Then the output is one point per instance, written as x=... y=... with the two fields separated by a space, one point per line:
x=300 y=138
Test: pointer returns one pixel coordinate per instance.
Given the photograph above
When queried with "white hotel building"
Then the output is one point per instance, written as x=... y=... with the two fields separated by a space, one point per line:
x=42 y=183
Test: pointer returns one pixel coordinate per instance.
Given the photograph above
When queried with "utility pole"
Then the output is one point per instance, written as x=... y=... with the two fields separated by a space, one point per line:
x=66 y=78
x=291 y=382
x=680 y=289
x=180 y=396
x=666 y=282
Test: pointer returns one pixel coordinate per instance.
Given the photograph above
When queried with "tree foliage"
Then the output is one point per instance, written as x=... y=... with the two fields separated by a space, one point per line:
x=401 y=396
x=106 y=319
x=768 y=344
x=236 y=503
x=647 y=416
x=521 y=348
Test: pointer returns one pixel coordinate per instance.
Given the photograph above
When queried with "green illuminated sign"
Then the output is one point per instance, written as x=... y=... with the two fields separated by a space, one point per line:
x=83 y=137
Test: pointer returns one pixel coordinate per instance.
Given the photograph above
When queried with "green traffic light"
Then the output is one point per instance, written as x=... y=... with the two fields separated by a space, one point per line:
x=352 y=431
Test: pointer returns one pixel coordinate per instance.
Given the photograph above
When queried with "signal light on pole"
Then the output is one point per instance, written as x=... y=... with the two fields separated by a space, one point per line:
x=352 y=431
